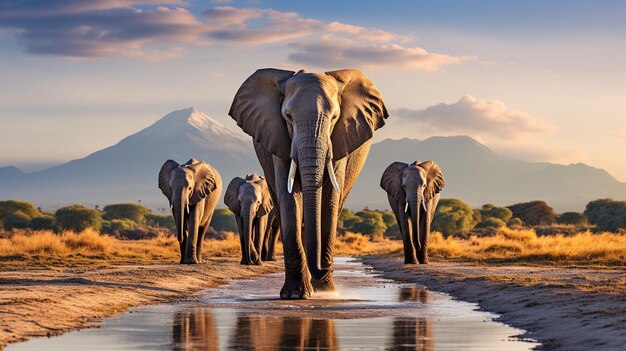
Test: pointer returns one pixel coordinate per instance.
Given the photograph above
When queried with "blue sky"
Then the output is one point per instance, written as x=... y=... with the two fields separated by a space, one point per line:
x=536 y=80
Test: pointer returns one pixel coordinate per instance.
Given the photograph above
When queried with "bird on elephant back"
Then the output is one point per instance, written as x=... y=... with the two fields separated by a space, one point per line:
x=311 y=133
x=192 y=190
x=249 y=199
x=413 y=192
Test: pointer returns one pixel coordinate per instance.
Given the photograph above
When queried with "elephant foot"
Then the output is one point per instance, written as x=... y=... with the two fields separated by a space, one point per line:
x=410 y=260
x=190 y=261
x=296 y=289
x=271 y=259
x=422 y=257
x=327 y=284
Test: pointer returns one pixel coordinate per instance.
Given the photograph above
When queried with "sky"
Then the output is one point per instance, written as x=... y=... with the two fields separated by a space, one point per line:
x=535 y=80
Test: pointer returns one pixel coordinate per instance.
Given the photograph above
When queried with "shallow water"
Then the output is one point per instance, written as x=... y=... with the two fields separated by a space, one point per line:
x=366 y=313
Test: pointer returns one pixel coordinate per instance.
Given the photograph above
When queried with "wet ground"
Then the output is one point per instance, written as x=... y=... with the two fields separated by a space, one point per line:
x=366 y=313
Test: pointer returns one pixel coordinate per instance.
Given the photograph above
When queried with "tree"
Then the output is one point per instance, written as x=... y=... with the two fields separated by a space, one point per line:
x=11 y=206
x=160 y=221
x=607 y=214
x=134 y=212
x=453 y=217
x=392 y=226
x=491 y=222
x=534 y=213
x=117 y=226
x=77 y=218
x=492 y=211
x=370 y=223
x=17 y=220
x=515 y=222
x=45 y=222
x=347 y=220
x=573 y=218
x=224 y=221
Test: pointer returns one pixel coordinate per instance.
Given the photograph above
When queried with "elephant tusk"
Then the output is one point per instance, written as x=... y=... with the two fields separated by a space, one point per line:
x=292 y=176
x=424 y=205
x=188 y=207
x=406 y=207
x=331 y=174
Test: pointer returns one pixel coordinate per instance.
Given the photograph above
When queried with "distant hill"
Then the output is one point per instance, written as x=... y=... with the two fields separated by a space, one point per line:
x=478 y=175
x=127 y=171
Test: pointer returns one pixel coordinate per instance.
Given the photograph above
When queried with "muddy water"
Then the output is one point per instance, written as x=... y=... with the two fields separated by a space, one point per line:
x=366 y=313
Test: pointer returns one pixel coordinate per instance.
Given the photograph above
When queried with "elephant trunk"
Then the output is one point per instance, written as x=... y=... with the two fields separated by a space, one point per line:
x=248 y=224
x=312 y=162
x=179 y=203
x=414 y=207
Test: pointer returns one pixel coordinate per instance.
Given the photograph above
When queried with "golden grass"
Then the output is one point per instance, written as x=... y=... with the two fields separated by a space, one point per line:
x=506 y=246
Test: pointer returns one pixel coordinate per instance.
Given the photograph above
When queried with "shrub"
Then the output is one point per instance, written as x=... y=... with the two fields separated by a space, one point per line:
x=162 y=221
x=515 y=223
x=223 y=220
x=17 y=220
x=117 y=225
x=607 y=214
x=45 y=222
x=370 y=223
x=133 y=212
x=491 y=222
x=534 y=213
x=573 y=218
x=346 y=220
x=453 y=217
x=492 y=211
x=11 y=206
x=77 y=218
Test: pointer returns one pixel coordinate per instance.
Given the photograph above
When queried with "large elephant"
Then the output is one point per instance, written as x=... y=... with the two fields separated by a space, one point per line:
x=413 y=193
x=311 y=133
x=192 y=190
x=249 y=199
x=272 y=234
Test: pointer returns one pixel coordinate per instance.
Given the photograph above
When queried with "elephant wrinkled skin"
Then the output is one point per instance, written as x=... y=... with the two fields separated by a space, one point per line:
x=192 y=190
x=249 y=199
x=311 y=133
x=413 y=193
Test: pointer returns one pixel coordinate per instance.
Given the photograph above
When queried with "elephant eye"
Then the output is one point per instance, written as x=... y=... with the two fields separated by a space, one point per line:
x=288 y=116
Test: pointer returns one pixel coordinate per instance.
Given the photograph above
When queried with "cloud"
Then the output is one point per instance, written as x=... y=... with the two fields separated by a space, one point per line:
x=620 y=133
x=162 y=29
x=477 y=118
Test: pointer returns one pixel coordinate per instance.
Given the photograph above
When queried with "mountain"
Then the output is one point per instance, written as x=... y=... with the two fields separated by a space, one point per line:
x=127 y=171
x=478 y=175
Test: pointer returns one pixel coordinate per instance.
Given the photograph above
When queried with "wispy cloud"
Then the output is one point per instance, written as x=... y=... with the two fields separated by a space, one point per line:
x=480 y=118
x=161 y=29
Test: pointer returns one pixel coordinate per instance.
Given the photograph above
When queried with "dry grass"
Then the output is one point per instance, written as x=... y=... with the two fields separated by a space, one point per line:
x=46 y=248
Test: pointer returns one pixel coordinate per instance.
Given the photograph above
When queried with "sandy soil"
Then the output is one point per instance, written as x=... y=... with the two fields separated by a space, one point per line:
x=40 y=302
x=563 y=308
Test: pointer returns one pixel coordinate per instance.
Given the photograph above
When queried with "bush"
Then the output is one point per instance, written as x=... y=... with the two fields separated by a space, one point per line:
x=11 y=206
x=370 y=223
x=491 y=223
x=607 y=214
x=515 y=223
x=133 y=212
x=346 y=220
x=492 y=211
x=45 y=222
x=573 y=218
x=77 y=218
x=162 y=221
x=117 y=225
x=392 y=226
x=18 y=220
x=453 y=217
x=223 y=220
x=534 y=213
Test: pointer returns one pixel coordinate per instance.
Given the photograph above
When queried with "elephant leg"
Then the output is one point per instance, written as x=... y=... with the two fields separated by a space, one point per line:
x=422 y=254
x=183 y=242
x=239 y=220
x=405 y=231
x=297 y=276
x=192 y=238
x=207 y=214
x=259 y=232
x=274 y=234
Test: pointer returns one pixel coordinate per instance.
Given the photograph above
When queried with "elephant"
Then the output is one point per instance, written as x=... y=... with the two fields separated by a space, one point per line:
x=249 y=199
x=271 y=236
x=194 y=329
x=311 y=133
x=192 y=190
x=413 y=194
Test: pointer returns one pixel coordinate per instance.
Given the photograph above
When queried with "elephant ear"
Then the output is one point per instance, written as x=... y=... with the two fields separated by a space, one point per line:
x=257 y=110
x=231 y=197
x=164 y=178
x=362 y=111
x=205 y=181
x=391 y=181
x=266 y=204
x=435 y=180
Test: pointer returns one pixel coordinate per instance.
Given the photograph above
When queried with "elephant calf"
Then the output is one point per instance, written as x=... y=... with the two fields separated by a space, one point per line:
x=192 y=190
x=249 y=199
x=413 y=193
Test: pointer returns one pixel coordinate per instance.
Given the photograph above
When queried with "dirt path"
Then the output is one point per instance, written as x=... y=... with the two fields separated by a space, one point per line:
x=563 y=308
x=39 y=302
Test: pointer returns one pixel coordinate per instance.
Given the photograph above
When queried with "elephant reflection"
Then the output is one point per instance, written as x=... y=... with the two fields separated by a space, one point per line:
x=194 y=330
x=283 y=333
x=412 y=334
x=415 y=294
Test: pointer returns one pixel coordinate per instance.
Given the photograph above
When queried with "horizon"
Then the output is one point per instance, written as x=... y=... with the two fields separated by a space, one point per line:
x=528 y=90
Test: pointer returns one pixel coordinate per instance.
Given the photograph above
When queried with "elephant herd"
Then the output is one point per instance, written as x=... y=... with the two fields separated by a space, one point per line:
x=311 y=133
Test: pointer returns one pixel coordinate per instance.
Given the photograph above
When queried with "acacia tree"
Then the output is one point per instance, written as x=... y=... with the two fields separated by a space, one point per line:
x=607 y=214
x=453 y=217
x=77 y=218
x=131 y=211
x=534 y=213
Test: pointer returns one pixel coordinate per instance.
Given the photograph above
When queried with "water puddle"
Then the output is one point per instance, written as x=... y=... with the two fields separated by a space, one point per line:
x=366 y=313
